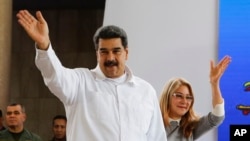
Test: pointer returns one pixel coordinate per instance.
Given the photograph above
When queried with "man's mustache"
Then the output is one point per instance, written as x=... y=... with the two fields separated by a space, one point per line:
x=110 y=63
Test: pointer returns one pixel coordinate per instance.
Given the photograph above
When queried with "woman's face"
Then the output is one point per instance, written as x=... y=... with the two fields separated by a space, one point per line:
x=180 y=102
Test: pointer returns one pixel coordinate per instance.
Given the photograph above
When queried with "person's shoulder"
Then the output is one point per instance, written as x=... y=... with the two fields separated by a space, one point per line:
x=3 y=131
x=36 y=137
x=4 y=134
x=82 y=69
x=33 y=136
x=142 y=81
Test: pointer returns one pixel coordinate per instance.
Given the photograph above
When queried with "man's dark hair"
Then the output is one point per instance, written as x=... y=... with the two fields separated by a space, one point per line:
x=16 y=104
x=109 y=32
x=59 y=117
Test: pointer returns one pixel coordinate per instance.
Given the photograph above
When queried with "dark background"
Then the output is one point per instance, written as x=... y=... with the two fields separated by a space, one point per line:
x=72 y=24
x=58 y=4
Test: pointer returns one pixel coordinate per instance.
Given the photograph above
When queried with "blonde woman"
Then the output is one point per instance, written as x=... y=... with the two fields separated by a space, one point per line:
x=177 y=99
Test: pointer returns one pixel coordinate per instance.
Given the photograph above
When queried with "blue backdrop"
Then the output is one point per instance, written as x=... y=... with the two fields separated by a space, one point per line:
x=234 y=40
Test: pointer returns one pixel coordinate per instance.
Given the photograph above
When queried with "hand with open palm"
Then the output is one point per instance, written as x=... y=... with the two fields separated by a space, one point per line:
x=36 y=28
x=217 y=71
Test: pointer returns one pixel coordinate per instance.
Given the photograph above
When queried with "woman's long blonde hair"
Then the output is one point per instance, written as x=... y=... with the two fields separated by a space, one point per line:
x=189 y=120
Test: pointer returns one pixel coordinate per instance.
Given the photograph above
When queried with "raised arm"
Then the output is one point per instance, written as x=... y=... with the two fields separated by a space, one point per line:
x=215 y=74
x=36 y=28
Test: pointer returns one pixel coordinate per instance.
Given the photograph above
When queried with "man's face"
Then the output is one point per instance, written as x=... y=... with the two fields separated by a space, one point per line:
x=112 y=56
x=15 y=116
x=59 y=128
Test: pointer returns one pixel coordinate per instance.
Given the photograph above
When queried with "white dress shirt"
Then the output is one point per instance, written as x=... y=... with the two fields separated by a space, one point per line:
x=102 y=109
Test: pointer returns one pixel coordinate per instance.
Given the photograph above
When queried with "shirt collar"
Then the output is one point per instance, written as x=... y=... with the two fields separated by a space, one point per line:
x=177 y=120
x=99 y=75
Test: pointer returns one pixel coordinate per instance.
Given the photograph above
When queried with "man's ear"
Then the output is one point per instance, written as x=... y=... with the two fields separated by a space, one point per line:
x=97 y=55
x=126 y=49
x=24 y=116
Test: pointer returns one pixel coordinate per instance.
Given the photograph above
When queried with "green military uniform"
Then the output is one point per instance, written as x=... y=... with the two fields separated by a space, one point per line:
x=25 y=135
